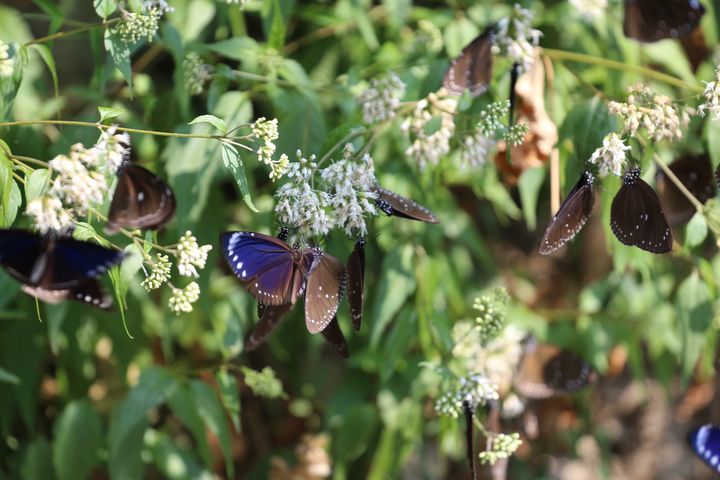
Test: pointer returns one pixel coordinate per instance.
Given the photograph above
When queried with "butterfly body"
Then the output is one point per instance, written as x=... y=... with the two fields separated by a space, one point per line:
x=653 y=20
x=636 y=217
x=472 y=69
x=141 y=200
x=572 y=215
x=705 y=442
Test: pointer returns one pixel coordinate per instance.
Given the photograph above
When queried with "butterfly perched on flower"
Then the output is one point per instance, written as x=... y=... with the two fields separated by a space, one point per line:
x=695 y=173
x=572 y=215
x=653 y=20
x=141 y=200
x=54 y=269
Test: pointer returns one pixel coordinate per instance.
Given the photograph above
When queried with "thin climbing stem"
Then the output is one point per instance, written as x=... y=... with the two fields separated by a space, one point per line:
x=105 y=127
x=67 y=33
x=673 y=178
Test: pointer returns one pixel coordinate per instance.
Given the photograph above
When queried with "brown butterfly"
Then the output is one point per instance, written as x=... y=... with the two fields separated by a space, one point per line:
x=472 y=69
x=653 y=20
x=396 y=205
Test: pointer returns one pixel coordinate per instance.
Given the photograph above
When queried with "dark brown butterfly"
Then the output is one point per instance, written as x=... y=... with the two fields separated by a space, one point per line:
x=141 y=200
x=89 y=292
x=546 y=370
x=325 y=288
x=335 y=337
x=472 y=69
x=356 y=282
x=396 y=205
x=653 y=20
x=572 y=215
x=636 y=217
x=269 y=320
x=695 y=172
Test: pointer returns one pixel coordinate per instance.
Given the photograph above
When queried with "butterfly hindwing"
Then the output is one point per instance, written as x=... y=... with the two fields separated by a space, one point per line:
x=472 y=69
x=270 y=319
x=356 y=282
x=705 y=442
x=325 y=288
x=141 y=200
x=572 y=215
x=335 y=337
x=653 y=20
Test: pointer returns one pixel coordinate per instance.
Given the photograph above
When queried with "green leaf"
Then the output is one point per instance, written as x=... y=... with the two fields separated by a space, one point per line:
x=104 y=8
x=120 y=53
x=212 y=414
x=236 y=48
x=47 y=57
x=10 y=84
x=36 y=184
x=694 y=315
x=109 y=113
x=230 y=396
x=529 y=187
x=77 y=441
x=231 y=159
x=301 y=121
x=11 y=197
x=35 y=465
x=7 y=377
x=352 y=437
x=183 y=404
x=216 y=122
x=696 y=231
x=84 y=231
x=276 y=36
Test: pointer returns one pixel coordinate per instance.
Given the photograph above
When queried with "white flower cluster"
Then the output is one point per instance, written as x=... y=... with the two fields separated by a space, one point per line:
x=610 y=158
x=6 y=63
x=712 y=96
x=191 y=255
x=162 y=5
x=502 y=446
x=183 y=298
x=352 y=191
x=195 y=72
x=476 y=150
x=266 y=132
x=136 y=26
x=515 y=39
x=473 y=389
x=589 y=9
x=79 y=183
x=655 y=113
x=160 y=273
x=381 y=99
x=301 y=205
x=429 y=147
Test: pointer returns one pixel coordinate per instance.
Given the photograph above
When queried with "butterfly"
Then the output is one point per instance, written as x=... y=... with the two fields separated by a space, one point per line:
x=141 y=200
x=695 y=172
x=472 y=69
x=546 y=370
x=89 y=292
x=55 y=269
x=653 y=20
x=396 y=205
x=335 y=337
x=636 y=217
x=572 y=215
x=705 y=442
x=356 y=282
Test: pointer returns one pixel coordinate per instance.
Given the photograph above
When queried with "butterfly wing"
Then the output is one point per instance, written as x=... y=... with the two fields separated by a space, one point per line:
x=546 y=370
x=270 y=319
x=20 y=251
x=653 y=20
x=72 y=262
x=141 y=200
x=472 y=69
x=335 y=337
x=89 y=292
x=356 y=282
x=396 y=205
x=264 y=264
x=695 y=173
x=705 y=442
x=572 y=215
x=325 y=288
x=636 y=217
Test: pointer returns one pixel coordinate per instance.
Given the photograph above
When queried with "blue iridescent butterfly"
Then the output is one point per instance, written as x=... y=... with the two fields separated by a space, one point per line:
x=705 y=442
x=45 y=263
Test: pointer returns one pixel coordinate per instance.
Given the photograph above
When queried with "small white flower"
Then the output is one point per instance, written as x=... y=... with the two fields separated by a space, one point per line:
x=589 y=9
x=76 y=186
x=49 y=215
x=182 y=299
x=114 y=147
x=266 y=132
x=190 y=255
x=428 y=149
x=381 y=99
x=160 y=273
x=712 y=97
x=6 y=63
x=654 y=113
x=610 y=158
x=516 y=39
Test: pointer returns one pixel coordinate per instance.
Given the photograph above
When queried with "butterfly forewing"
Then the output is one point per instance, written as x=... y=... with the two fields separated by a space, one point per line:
x=653 y=20
x=695 y=173
x=546 y=370
x=572 y=215
x=141 y=200
x=472 y=69
x=270 y=319
x=324 y=290
x=356 y=282
x=636 y=217
x=705 y=442
x=396 y=205
x=335 y=337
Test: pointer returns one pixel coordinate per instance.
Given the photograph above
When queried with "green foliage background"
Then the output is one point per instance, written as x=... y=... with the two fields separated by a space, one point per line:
x=190 y=414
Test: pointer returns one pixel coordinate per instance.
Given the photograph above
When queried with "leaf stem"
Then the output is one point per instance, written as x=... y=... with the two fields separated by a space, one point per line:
x=67 y=33
x=673 y=178
x=615 y=65
x=105 y=127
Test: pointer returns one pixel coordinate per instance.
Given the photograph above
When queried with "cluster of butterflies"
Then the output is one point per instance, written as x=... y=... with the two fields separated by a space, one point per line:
x=277 y=274
x=637 y=215
x=53 y=268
